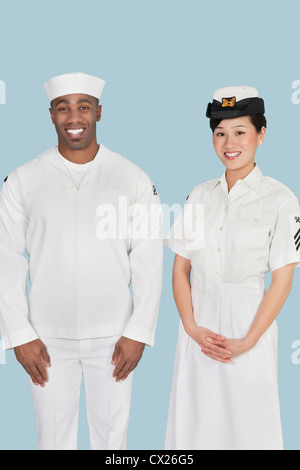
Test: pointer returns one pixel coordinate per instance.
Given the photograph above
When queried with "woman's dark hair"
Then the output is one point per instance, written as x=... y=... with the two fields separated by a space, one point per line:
x=258 y=121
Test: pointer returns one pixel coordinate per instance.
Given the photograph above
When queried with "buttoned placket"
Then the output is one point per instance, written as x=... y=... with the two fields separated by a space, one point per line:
x=220 y=245
x=227 y=200
x=221 y=230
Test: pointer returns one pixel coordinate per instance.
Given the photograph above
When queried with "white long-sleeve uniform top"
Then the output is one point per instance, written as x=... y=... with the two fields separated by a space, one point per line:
x=93 y=251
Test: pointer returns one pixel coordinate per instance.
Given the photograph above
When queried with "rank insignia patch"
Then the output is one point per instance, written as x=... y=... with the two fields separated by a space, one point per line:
x=297 y=234
x=297 y=239
x=228 y=102
x=5 y=179
x=295 y=229
x=154 y=190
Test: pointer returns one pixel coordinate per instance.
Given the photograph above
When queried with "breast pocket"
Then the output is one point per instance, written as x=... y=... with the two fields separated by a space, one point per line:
x=253 y=231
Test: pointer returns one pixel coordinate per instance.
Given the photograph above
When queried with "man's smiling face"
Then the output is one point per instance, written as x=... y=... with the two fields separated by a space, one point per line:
x=75 y=117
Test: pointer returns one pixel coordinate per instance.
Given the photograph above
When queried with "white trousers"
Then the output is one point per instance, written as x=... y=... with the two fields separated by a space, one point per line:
x=56 y=405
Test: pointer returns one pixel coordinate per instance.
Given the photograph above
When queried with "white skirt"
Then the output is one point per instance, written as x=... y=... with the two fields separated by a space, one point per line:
x=216 y=406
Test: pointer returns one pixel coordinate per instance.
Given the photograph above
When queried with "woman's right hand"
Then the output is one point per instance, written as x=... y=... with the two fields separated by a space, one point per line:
x=204 y=337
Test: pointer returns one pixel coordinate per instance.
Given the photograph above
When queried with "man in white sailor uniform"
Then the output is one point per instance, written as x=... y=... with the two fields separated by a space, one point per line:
x=85 y=224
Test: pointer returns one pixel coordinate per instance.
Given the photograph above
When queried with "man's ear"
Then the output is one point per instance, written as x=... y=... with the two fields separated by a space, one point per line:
x=98 y=115
x=52 y=115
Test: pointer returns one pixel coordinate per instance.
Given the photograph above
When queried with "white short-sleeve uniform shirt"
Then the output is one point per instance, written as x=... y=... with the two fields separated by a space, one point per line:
x=232 y=240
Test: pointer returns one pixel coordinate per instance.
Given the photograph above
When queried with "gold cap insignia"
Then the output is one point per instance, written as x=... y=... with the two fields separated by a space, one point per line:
x=228 y=102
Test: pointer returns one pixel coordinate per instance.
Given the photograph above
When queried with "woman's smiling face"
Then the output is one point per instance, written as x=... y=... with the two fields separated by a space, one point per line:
x=236 y=141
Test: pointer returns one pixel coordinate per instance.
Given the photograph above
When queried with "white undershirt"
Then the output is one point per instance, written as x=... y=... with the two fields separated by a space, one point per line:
x=77 y=170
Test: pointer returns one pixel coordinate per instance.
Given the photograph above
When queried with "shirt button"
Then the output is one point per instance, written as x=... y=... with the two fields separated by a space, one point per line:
x=218 y=272
x=256 y=220
x=221 y=229
x=219 y=250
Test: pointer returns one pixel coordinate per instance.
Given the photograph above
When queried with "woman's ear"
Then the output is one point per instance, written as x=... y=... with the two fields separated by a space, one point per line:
x=262 y=135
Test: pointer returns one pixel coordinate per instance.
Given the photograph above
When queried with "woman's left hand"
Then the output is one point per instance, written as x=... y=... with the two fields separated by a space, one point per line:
x=235 y=346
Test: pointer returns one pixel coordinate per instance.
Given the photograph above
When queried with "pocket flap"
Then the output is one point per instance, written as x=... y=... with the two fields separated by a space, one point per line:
x=256 y=218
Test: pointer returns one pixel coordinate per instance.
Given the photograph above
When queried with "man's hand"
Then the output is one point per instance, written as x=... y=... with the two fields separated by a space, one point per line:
x=33 y=356
x=126 y=357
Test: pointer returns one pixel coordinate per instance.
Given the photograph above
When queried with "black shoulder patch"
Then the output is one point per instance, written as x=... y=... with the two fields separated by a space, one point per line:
x=5 y=179
x=154 y=190
x=297 y=240
x=187 y=197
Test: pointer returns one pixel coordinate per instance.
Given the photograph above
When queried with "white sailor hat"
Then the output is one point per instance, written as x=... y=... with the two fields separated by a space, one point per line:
x=70 y=83
x=235 y=101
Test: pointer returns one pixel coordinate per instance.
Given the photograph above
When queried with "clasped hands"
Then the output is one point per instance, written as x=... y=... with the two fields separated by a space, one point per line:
x=216 y=346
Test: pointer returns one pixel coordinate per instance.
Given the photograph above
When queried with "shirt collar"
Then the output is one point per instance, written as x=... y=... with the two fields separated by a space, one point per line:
x=53 y=157
x=253 y=180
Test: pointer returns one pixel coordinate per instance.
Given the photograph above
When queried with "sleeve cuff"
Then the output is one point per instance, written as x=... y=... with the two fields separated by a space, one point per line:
x=284 y=260
x=175 y=246
x=141 y=334
x=18 y=337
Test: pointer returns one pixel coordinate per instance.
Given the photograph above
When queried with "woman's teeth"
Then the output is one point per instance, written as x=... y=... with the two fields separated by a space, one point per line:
x=232 y=154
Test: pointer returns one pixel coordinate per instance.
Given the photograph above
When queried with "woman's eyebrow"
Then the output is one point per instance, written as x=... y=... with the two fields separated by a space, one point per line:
x=239 y=125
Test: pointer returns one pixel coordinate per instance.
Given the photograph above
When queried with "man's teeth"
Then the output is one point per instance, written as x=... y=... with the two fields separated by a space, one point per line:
x=74 y=131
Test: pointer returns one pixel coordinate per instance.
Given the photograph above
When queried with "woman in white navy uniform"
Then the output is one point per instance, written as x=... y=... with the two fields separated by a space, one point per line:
x=224 y=393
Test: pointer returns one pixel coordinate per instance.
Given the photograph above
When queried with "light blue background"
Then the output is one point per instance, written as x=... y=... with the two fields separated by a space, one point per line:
x=161 y=60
